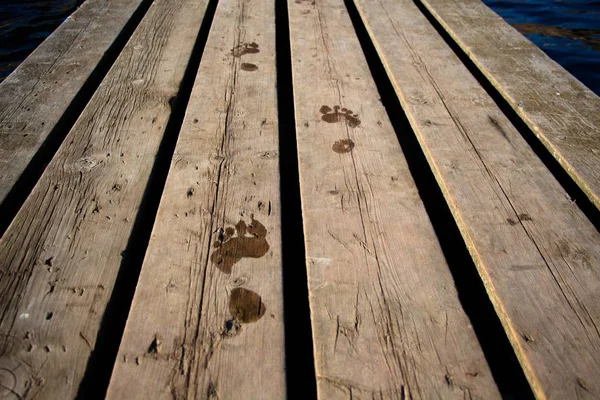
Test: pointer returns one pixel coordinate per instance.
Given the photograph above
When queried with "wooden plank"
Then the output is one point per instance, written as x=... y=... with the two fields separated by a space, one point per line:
x=535 y=250
x=61 y=254
x=562 y=112
x=386 y=316
x=35 y=97
x=207 y=317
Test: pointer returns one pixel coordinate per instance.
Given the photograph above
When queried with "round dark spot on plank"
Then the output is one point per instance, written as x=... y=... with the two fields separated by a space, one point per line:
x=343 y=146
x=249 y=67
x=245 y=305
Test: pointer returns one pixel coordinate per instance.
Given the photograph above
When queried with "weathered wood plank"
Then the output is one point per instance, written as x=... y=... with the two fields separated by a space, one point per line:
x=386 y=317
x=61 y=254
x=562 y=112
x=535 y=250
x=34 y=98
x=207 y=317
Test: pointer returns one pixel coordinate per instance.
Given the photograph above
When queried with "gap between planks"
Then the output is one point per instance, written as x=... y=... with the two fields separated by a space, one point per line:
x=498 y=351
x=41 y=100
x=562 y=112
x=386 y=317
x=64 y=248
x=537 y=252
x=207 y=316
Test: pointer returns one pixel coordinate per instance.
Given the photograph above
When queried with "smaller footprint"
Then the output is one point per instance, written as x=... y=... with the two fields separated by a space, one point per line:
x=343 y=146
x=245 y=48
x=246 y=306
x=339 y=114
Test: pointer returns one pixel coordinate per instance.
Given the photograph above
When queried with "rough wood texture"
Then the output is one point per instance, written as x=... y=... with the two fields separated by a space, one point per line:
x=61 y=254
x=560 y=110
x=207 y=317
x=36 y=95
x=386 y=317
x=537 y=254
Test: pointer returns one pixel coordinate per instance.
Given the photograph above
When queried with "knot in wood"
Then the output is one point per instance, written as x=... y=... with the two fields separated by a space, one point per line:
x=86 y=164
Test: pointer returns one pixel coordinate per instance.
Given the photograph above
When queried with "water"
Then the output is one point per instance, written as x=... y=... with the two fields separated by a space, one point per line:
x=567 y=30
x=24 y=24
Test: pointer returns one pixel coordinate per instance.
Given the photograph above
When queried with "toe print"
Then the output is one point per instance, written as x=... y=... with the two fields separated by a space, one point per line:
x=339 y=114
x=250 y=242
x=245 y=48
x=343 y=146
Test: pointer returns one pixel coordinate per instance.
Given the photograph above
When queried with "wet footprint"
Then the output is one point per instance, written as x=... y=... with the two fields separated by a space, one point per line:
x=343 y=146
x=249 y=67
x=250 y=242
x=245 y=48
x=246 y=306
x=338 y=115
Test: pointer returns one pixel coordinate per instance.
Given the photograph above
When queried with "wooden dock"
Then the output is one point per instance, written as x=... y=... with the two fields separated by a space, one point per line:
x=248 y=199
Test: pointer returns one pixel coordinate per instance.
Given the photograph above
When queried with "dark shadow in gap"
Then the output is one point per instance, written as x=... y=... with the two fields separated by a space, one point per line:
x=31 y=174
x=498 y=351
x=102 y=359
x=569 y=185
x=299 y=360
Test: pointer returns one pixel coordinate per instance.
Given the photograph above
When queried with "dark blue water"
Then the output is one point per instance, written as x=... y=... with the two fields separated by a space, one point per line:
x=567 y=30
x=24 y=24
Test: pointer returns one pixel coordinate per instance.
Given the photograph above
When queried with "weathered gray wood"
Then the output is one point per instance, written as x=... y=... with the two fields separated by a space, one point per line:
x=560 y=110
x=36 y=95
x=386 y=317
x=207 y=317
x=538 y=255
x=61 y=254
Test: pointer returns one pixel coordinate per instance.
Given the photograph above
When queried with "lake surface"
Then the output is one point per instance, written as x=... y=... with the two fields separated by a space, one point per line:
x=24 y=24
x=567 y=30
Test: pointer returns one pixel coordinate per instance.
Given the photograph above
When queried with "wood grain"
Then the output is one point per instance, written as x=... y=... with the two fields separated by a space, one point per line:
x=386 y=316
x=562 y=112
x=207 y=317
x=536 y=252
x=35 y=97
x=62 y=253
